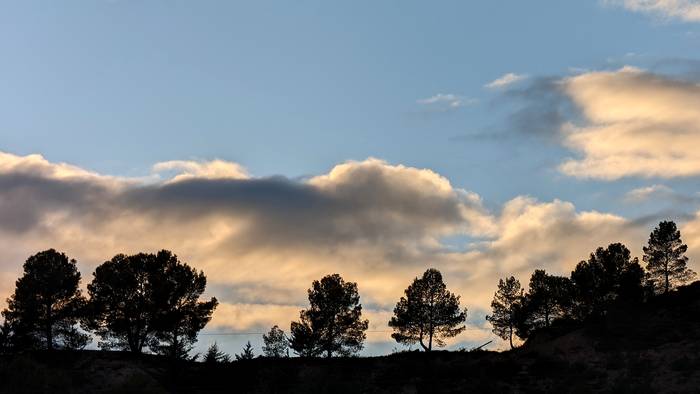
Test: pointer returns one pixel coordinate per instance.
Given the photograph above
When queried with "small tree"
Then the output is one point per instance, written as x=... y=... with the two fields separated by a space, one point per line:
x=333 y=323
x=216 y=356
x=427 y=312
x=46 y=303
x=665 y=258
x=247 y=353
x=504 y=305
x=276 y=344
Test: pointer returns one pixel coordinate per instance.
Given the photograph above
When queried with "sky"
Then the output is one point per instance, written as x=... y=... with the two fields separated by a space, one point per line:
x=269 y=143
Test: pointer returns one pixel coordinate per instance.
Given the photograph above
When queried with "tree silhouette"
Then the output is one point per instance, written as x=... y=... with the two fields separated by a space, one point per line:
x=216 y=356
x=505 y=303
x=333 y=323
x=548 y=298
x=181 y=315
x=148 y=300
x=665 y=258
x=276 y=344
x=46 y=303
x=609 y=275
x=247 y=353
x=427 y=312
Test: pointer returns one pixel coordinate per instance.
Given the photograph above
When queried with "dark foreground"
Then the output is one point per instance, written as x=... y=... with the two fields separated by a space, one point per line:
x=655 y=348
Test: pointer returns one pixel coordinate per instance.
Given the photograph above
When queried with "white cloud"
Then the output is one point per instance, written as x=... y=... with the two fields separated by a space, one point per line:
x=685 y=10
x=505 y=80
x=447 y=101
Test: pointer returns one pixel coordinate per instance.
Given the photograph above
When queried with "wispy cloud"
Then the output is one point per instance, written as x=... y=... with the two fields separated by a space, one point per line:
x=505 y=80
x=447 y=101
x=647 y=192
x=685 y=10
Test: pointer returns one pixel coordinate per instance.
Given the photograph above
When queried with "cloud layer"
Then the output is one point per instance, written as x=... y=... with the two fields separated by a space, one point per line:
x=261 y=241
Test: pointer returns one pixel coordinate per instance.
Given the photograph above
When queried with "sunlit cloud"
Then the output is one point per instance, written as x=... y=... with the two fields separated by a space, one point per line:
x=215 y=169
x=684 y=10
x=637 y=124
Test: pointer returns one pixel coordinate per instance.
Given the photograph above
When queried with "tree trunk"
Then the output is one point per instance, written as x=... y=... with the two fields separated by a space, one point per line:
x=510 y=336
x=49 y=333
x=420 y=340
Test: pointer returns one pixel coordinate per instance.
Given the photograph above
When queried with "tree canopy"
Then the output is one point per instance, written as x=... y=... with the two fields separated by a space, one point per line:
x=548 y=298
x=276 y=344
x=610 y=274
x=427 y=313
x=148 y=300
x=333 y=323
x=47 y=303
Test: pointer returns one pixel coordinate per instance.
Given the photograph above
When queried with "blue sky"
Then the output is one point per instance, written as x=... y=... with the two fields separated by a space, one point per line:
x=277 y=107
x=295 y=87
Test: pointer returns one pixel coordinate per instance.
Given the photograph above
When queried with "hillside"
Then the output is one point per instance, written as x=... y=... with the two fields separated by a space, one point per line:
x=653 y=348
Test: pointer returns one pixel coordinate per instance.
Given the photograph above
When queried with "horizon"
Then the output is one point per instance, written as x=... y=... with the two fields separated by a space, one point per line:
x=271 y=144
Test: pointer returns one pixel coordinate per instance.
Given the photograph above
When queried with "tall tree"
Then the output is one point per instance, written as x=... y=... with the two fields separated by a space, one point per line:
x=665 y=258
x=333 y=323
x=276 y=344
x=504 y=305
x=428 y=312
x=47 y=301
x=148 y=300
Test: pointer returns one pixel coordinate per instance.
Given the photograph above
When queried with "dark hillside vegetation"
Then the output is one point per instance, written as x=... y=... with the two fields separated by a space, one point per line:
x=653 y=347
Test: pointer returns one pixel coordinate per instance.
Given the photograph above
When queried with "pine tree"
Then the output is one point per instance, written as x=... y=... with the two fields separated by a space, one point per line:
x=246 y=354
x=665 y=258
x=47 y=303
x=428 y=313
x=504 y=305
x=216 y=356
x=333 y=324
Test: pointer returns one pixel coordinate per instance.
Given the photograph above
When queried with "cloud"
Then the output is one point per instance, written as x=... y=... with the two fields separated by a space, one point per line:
x=647 y=192
x=636 y=124
x=505 y=80
x=261 y=241
x=447 y=101
x=215 y=169
x=684 y=10
x=619 y=123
